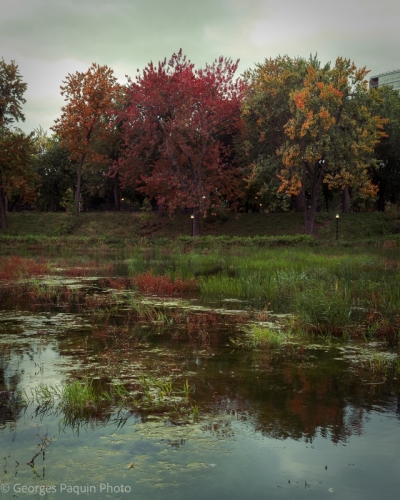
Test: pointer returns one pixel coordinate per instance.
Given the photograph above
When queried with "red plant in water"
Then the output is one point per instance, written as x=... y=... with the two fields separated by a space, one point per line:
x=18 y=267
x=75 y=271
x=201 y=327
x=163 y=285
x=116 y=283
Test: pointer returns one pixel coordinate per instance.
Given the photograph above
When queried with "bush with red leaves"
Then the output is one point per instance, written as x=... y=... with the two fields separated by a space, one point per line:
x=163 y=285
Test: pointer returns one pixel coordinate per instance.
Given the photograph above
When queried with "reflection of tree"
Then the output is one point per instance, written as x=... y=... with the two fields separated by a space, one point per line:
x=281 y=396
x=294 y=399
x=10 y=402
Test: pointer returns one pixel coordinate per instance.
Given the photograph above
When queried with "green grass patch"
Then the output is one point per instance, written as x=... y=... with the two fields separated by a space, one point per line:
x=260 y=337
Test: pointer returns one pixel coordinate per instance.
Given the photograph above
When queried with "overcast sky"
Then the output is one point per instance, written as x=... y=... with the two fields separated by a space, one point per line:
x=51 y=38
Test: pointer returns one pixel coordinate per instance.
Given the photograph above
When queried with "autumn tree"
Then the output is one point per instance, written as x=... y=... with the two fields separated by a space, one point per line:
x=89 y=95
x=330 y=134
x=173 y=129
x=16 y=176
x=110 y=148
x=12 y=89
x=265 y=111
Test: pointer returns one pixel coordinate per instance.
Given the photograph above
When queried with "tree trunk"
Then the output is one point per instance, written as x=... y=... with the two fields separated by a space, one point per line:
x=299 y=202
x=346 y=200
x=310 y=212
x=309 y=222
x=3 y=208
x=196 y=222
x=53 y=196
x=78 y=184
x=381 y=196
x=6 y=202
x=116 y=193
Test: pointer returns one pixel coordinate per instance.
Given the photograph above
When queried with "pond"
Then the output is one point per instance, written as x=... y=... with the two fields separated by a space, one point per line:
x=174 y=410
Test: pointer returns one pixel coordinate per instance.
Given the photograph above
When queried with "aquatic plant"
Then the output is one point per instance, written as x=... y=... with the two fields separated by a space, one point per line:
x=44 y=443
x=195 y=410
x=15 y=267
x=186 y=388
x=76 y=396
x=260 y=337
x=163 y=285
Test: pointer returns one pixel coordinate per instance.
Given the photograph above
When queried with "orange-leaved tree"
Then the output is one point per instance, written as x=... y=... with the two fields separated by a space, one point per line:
x=265 y=111
x=84 y=121
x=330 y=136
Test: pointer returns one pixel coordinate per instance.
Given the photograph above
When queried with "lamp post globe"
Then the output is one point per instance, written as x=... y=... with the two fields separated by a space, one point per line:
x=337 y=226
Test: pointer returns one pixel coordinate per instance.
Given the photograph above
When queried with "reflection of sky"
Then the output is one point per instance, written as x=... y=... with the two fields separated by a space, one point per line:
x=188 y=462
x=35 y=356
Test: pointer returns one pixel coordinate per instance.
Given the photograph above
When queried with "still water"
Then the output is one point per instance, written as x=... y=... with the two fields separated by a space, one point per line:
x=308 y=421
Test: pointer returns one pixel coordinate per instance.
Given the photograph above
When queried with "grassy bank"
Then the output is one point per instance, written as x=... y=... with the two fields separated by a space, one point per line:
x=112 y=228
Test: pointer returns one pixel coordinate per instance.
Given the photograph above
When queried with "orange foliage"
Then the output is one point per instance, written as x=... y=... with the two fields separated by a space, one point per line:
x=89 y=95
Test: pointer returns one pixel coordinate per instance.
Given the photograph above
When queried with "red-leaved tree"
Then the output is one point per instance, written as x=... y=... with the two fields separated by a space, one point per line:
x=176 y=130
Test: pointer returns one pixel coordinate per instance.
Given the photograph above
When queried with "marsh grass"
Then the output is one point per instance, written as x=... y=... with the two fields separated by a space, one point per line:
x=381 y=363
x=260 y=337
x=76 y=396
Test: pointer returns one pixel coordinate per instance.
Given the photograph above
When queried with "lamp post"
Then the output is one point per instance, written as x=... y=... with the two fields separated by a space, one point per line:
x=192 y=217
x=337 y=226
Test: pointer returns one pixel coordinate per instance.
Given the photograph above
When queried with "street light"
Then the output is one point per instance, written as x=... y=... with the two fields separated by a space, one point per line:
x=337 y=226
x=192 y=217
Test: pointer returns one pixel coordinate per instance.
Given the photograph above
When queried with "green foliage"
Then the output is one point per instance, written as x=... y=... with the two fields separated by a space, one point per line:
x=323 y=306
x=260 y=337
x=12 y=89
x=57 y=172
x=146 y=206
x=260 y=241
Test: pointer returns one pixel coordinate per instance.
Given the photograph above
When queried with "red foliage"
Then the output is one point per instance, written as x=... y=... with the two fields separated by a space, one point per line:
x=12 y=268
x=163 y=285
x=177 y=127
